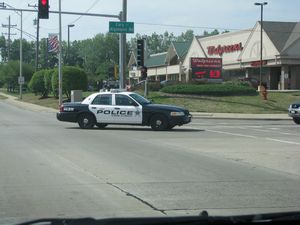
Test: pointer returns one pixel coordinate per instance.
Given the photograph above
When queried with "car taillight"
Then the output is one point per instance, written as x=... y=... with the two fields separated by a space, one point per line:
x=61 y=108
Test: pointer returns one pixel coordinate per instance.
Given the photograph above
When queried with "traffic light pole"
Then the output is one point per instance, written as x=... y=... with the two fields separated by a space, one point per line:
x=65 y=12
x=122 y=57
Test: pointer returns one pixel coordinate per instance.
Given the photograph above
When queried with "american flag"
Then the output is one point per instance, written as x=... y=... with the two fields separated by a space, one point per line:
x=53 y=43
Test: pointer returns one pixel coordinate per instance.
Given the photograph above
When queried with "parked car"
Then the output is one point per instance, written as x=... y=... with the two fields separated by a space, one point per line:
x=294 y=112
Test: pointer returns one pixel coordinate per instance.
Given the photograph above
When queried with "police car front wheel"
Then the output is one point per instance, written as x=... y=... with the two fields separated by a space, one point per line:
x=296 y=120
x=86 y=121
x=159 y=122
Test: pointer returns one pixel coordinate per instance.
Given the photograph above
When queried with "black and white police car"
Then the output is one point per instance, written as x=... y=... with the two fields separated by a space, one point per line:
x=122 y=107
x=294 y=112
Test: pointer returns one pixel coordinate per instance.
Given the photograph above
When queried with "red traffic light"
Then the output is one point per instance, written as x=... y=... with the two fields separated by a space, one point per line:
x=43 y=9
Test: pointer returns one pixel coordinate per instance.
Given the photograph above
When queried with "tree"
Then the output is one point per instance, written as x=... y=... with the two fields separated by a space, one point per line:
x=74 y=78
x=214 y=32
x=3 y=49
x=186 y=36
x=10 y=72
x=28 y=50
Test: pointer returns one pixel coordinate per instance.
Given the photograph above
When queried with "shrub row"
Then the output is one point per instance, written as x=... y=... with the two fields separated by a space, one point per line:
x=210 y=89
x=46 y=81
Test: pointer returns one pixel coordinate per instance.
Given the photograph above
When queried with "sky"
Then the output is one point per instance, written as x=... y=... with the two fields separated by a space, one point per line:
x=150 y=16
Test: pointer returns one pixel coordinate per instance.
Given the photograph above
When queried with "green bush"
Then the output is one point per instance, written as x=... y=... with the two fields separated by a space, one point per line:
x=36 y=84
x=73 y=78
x=210 y=89
x=48 y=81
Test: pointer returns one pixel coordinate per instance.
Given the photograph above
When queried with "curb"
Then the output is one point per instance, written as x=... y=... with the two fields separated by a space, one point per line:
x=240 y=116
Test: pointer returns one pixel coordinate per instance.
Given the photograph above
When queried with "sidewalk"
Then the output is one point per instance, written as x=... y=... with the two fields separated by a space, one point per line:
x=197 y=115
x=25 y=105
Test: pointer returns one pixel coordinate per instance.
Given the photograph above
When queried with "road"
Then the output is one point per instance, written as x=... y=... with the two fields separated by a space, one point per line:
x=54 y=169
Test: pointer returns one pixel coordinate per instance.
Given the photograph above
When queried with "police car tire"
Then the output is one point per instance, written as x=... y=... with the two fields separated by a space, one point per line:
x=86 y=121
x=296 y=120
x=170 y=127
x=101 y=125
x=159 y=122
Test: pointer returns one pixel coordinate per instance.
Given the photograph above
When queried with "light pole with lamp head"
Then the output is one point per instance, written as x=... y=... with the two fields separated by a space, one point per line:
x=69 y=26
x=262 y=4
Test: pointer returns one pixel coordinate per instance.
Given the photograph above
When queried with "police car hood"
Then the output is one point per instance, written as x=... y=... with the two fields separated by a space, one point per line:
x=164 y=107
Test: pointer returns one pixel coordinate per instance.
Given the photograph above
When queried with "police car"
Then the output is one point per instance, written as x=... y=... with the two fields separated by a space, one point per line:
x=294 y=112
x=122 y=107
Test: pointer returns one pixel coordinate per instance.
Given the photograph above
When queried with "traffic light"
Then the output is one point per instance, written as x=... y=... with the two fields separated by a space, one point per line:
x=140 y=52
x=43 y=9
x=144 y=73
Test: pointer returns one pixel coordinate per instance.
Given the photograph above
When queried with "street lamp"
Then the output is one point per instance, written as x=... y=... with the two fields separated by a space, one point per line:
x=262 y=4
x=69 y=26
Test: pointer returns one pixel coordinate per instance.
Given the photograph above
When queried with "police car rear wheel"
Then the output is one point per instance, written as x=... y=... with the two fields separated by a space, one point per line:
x=296 y=120
x=159 y=122
x=86 y=121
x=101 y=125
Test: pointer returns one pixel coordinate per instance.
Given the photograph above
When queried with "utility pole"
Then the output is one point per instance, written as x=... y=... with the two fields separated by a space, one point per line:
x=21 y=78
x=37 y=47
x=122 y=50
x=9 y=26
x=261 y=38
x=60 y=57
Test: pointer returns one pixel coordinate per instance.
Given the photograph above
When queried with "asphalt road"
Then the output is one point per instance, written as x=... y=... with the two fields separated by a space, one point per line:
x=54 y=169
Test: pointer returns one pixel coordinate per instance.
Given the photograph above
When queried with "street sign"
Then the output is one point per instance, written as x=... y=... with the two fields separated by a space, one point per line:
x=21 y=80
x=121 y=27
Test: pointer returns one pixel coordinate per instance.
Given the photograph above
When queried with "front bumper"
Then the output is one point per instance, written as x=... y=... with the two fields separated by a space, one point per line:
x=294 y=112
x=180 y=120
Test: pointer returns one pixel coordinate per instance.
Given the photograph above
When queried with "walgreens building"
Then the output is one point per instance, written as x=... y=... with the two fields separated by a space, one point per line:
x=239 y=53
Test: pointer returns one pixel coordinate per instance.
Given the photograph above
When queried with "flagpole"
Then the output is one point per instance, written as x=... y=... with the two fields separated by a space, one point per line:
x=59 y=59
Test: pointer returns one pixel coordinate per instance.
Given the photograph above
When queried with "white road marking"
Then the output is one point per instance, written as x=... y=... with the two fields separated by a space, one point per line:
x=250 y=136
x=269 y=131
x=283 y=141
x=233 y=134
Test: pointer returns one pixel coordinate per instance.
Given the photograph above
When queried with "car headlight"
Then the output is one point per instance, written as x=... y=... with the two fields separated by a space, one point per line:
x=177 y=113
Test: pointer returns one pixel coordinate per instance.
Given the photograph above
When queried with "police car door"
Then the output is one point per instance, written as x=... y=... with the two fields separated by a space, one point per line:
x=127 y=110
x=102 y=107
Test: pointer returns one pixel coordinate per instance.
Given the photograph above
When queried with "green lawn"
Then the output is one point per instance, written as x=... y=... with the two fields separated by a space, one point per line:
x=276 y=103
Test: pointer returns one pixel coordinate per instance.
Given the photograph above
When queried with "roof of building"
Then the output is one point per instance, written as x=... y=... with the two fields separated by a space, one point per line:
x=282 y=34
x=181 y=48
x=156 y=60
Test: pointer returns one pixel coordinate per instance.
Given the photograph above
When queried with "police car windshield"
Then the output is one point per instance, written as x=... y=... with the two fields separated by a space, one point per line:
x=140 y=99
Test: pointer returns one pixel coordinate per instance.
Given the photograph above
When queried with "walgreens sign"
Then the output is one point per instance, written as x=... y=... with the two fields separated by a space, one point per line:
x=219 y=50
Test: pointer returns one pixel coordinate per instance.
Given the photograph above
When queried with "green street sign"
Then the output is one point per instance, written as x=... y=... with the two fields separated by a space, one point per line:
x=121 y=27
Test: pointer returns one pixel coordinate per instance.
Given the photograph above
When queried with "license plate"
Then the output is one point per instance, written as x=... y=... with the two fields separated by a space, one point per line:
x=293 y=111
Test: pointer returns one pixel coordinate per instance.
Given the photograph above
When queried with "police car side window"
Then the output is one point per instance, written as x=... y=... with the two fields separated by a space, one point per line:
x=102 y=100
x=124 y=100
